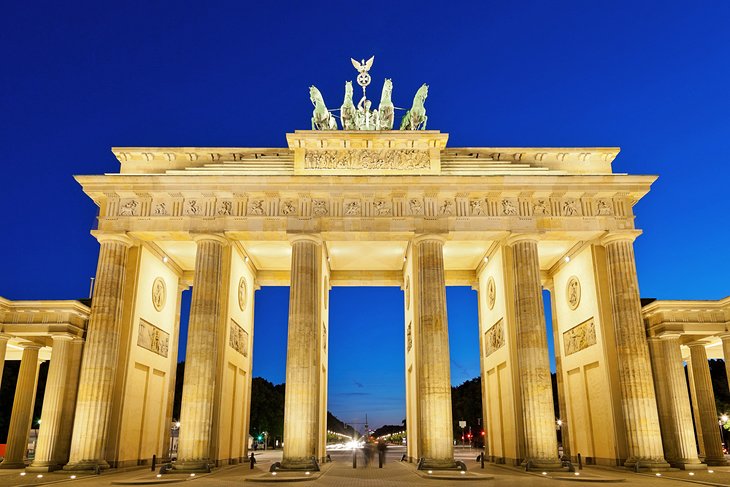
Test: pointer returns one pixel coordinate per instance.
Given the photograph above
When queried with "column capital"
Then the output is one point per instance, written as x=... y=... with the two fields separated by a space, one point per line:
x=697 y=344
x=5 y=337
x=429 y=236
x=624 y=235
x=62 y=337
x=513 y=238
x=30 y=346
x=122 y=238
x=298 y=237
x=667 y=335
x=724 y=336
x=200 y=237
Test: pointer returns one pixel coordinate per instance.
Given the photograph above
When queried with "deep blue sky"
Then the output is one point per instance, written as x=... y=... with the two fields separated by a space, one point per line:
x=650 y=77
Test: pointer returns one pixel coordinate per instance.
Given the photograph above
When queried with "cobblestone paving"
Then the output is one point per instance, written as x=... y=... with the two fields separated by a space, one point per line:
x=340 y=473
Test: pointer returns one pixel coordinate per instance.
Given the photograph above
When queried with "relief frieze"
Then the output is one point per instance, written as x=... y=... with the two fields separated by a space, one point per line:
x=238 y=339
x=153 y=339
x=494 y=338
x=397 y=159
x=579 y=337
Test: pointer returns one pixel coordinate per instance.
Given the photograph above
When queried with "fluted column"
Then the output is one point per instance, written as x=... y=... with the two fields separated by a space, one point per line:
x=3 y=347
x=46 y=457
x=675 y=414
x=196 y=414
x=22 y=413
x=533 y=360
x=99 y=363
x=562 y=405
x=638 y=399
x=706 y=405
x=301 y=405
x=434 y=375
x=725 y=353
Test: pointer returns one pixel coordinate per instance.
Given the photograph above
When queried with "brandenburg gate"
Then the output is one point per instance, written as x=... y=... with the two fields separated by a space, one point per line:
x=372 y=206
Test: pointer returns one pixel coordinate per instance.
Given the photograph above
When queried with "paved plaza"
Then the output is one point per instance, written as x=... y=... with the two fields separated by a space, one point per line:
x=340 y=473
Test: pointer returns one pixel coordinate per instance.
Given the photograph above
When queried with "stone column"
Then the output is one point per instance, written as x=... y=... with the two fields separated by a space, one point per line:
x=22 y=414
x=706 y=405
x=196 y=414
x=675 y=413
x=562 y=405
x=3 y=347
x=644 y=439
x=725 y=353
x=434 y=374
x=54 y=398
x=301 y=405
x=99 y=363
x=533 y=360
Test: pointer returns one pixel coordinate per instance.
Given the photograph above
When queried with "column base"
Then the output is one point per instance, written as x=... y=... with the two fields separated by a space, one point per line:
x=438 y=464
x=549 y=464
x=647 y=464
x=712 y=462
x=299 y=464
x=192 y=466
x=8 y=465
x=40 y=467
x=694 y=465
x=86 y=465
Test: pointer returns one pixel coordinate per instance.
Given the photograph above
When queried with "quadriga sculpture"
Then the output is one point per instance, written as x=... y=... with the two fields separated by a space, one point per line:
x=322 y=119
x=347 y=110
x=415 y=118
x=386 y=110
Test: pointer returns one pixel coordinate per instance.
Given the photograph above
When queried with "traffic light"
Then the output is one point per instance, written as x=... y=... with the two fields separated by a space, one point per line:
x=261 y=437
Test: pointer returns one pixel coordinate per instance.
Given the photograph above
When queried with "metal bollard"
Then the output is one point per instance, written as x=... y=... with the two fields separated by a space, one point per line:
x=580 y=462
x=252 y=460
x=154 y=462
x=354 y=459
x=381 y=458
x=482 y=459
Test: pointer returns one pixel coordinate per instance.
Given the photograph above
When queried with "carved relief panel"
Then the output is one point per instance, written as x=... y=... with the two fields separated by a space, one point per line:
x=579 y=337
x=494 y=338
x=152 y=338
x=238 y=338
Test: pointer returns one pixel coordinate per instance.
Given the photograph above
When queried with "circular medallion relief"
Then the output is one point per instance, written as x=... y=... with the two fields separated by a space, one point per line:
x=242 y=293
x=159 y=293
x=572 y=292
x=491 y=293
x=408 y=292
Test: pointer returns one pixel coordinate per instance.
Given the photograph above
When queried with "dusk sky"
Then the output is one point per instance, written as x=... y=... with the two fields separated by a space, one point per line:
x=649 y=76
